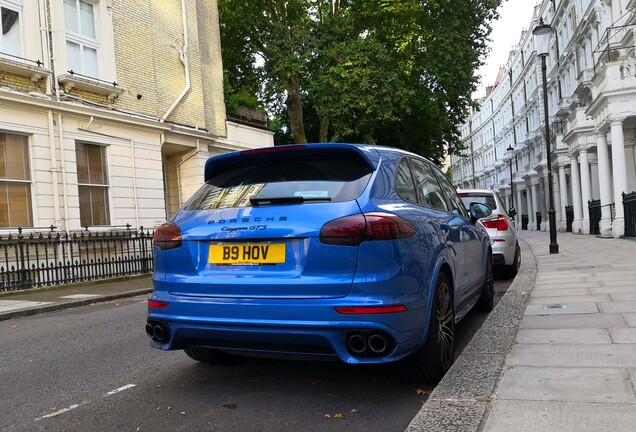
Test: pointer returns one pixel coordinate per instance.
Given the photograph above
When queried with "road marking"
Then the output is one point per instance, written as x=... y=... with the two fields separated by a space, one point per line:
x=72 y=407
x=62 y=411
x=120 y=389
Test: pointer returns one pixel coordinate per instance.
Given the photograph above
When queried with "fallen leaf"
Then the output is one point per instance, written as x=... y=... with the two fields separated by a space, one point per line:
x=355 y=410
x=338 y=416
x=182 y=412
x=14 y=326
x=327 y=416
x=422 y=392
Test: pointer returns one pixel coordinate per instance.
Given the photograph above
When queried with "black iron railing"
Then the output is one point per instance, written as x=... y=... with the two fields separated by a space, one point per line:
x=594 y=208
x=629 y=206
x=538 y=216
x=569 y=218
x=524 y=222
x=36 y=259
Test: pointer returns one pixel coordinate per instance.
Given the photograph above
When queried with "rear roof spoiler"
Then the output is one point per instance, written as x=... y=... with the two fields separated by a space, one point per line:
x=285 y=152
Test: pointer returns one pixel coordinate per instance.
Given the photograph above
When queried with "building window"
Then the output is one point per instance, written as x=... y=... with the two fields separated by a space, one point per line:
x=10 y=37
x=81 y=37
x=92 y=182
x=15 y=182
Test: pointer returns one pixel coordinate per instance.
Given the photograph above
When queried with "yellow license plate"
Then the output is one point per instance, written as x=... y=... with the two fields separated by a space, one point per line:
x=247 y=253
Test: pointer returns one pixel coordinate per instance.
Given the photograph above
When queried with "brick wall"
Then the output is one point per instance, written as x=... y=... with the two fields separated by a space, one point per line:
x=22 y=83
x=148 y=38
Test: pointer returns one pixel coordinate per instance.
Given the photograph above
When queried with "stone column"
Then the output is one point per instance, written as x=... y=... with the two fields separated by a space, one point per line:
x=529 y=207
x=605 y=184
x=586 y=190
x=545 y=202
x=563 y=196
x=535 y=208
x=576 y=195
x=519 y=206
x=560 y=212
x=620 y=176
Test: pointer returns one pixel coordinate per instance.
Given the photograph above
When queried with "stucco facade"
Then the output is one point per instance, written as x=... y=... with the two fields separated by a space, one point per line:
x=110 y=108
x=591 y=93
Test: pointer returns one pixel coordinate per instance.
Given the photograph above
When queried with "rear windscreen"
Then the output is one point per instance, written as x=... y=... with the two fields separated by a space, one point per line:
x=483 y=199
x=285 y=182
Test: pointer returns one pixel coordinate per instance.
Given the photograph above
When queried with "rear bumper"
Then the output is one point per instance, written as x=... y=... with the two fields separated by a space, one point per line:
x=503 y=252
x=283 y=327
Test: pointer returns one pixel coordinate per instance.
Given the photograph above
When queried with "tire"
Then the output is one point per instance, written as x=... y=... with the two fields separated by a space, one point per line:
x=436 y=356
x=487 y=298
x=209 y=356
x=510 y=271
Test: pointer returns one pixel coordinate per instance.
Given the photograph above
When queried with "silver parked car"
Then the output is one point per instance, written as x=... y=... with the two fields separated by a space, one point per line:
x=506 y=253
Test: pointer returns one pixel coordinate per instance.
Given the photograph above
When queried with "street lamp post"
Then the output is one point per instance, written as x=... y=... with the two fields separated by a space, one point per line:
x=510 y=153
x=542 y=34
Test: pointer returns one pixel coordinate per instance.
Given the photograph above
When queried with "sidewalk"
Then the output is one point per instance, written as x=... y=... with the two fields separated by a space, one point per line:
x=558 y=353
x=16 y=303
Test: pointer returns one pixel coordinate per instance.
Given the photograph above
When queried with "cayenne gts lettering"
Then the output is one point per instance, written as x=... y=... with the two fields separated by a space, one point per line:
x=244 y=228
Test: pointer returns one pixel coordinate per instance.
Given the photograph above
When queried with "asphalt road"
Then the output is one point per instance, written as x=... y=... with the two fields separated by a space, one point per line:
x=91 y=369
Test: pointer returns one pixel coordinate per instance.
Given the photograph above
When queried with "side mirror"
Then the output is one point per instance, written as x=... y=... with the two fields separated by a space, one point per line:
x=512 y=212
x=479 y=211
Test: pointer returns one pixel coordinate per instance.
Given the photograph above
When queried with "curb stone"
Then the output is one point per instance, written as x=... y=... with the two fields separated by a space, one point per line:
x=462 y=400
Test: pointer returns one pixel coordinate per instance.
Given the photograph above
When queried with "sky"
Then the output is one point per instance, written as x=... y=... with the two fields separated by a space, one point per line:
x=515 y=15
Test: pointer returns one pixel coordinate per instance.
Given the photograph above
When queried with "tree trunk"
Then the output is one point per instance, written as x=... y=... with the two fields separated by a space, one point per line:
x=324 y=129
x=295 y=112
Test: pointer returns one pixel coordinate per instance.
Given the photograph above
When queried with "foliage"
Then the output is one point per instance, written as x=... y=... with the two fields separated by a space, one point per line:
x=239 y=96
x=393 y=72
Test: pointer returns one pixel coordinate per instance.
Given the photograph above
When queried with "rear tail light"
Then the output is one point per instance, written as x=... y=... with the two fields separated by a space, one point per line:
x=355 y=229
x=167 y=236
x=356 y=310
x=500 y=223
x=157 y=304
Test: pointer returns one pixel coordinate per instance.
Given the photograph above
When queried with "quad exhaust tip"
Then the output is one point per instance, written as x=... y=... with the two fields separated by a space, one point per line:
x=366 y=343
x=157 y=331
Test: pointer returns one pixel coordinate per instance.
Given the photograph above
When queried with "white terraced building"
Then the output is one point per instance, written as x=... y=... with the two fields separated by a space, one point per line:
x=591 y=94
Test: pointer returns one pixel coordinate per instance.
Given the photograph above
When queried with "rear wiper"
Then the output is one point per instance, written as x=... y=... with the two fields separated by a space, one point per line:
x=264 y=201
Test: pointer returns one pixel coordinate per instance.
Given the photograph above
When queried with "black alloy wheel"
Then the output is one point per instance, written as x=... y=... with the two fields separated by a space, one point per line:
x=487 y=298
x=437 y=355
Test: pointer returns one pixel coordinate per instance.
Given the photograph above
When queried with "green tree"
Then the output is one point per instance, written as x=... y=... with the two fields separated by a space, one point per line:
x=394 y=72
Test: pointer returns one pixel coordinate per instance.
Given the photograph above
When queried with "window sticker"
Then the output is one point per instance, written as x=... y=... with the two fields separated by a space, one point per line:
x=312 y=194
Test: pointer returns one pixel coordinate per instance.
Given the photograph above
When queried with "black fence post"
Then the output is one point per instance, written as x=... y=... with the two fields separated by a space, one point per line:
x=594 y=208
x=629 y=208
x=21 y=265
x=569 y=218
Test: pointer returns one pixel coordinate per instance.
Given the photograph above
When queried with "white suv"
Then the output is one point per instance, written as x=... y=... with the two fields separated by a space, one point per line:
x=506 y=253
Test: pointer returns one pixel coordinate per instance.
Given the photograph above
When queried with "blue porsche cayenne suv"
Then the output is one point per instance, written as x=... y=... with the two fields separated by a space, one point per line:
x=354 y=252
